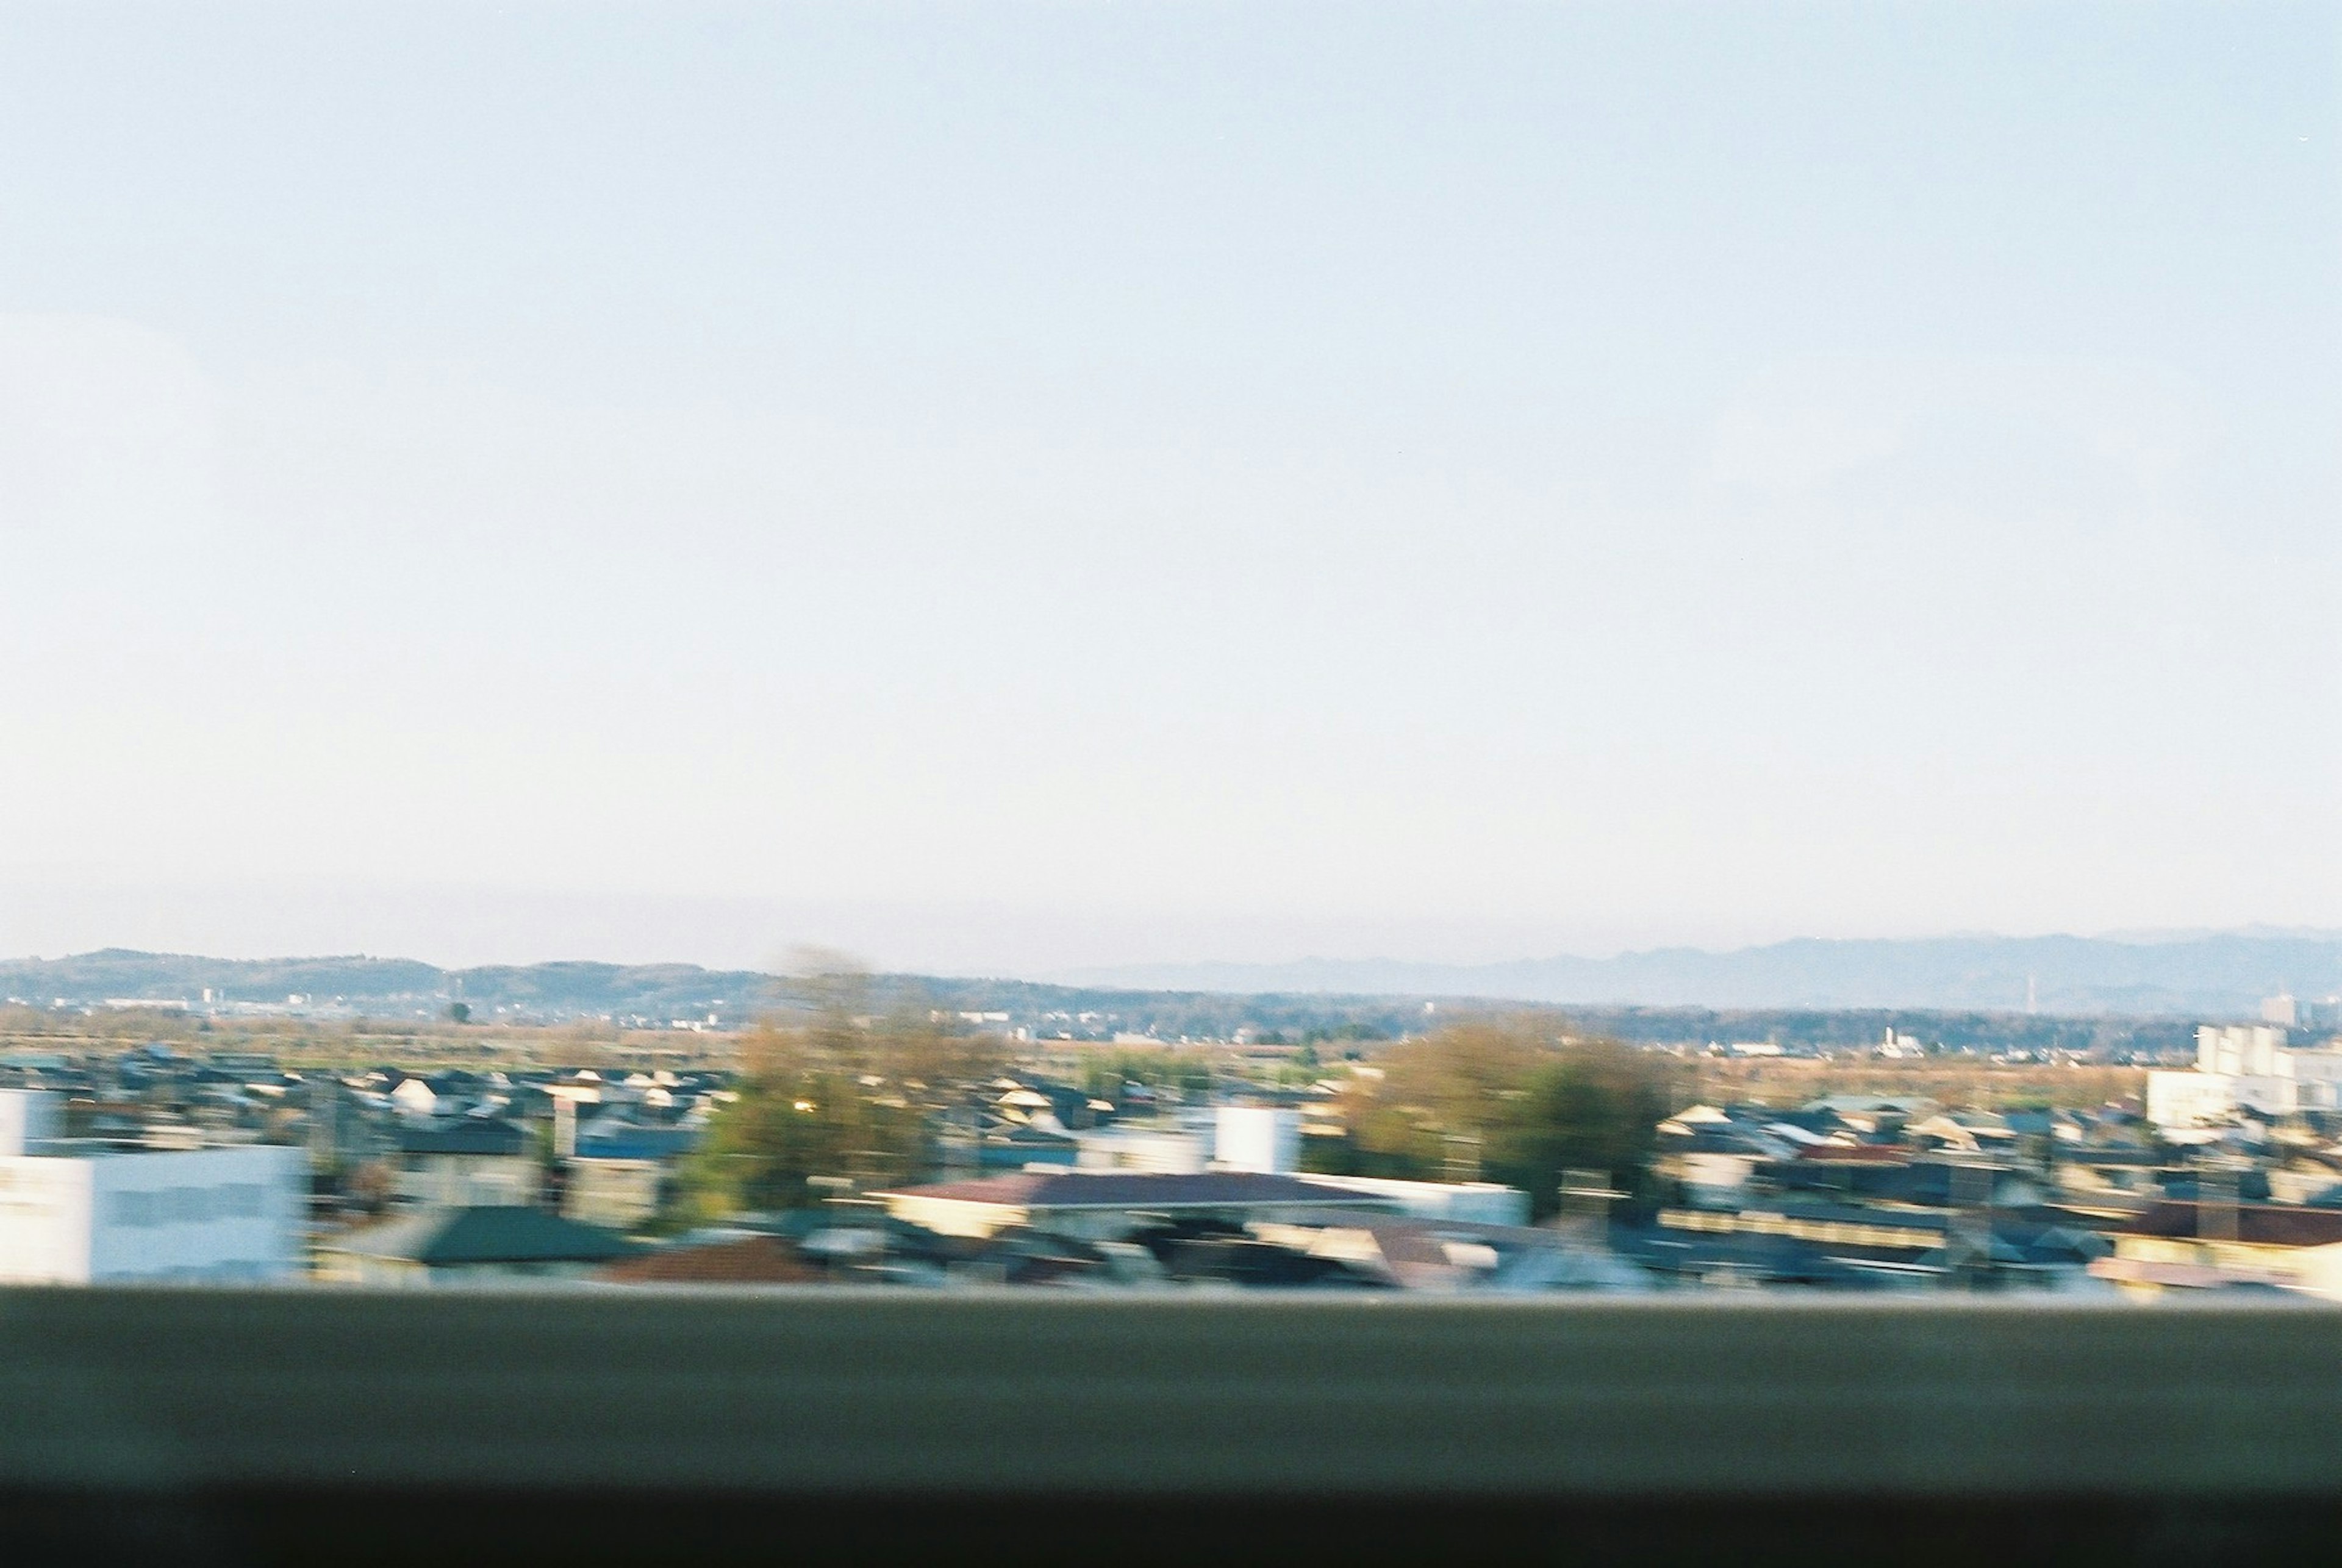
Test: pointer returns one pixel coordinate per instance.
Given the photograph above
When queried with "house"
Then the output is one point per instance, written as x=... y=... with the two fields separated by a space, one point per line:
x=465 y=1162
x=609 y=1137
x=2194 y=1246
x=1062 y=1106
x=618 y=1174
x=618 y=1193
x=2113 y=1178
x=1163 y=1149
x=1711 y=1153
x=1807 y=1240
x=499 y=1242
x=1965 y=1132
x=1872 y=1115
x=1019 y=1144
x=413 y=1097
x=1887 y=1176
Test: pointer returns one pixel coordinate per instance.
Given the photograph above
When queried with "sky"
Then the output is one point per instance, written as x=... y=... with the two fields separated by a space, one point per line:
x=1017 y=487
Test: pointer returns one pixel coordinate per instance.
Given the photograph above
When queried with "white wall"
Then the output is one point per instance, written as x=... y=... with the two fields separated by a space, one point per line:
x=953 y=1216
x=45 y=1221
x=1715 y=1174
x=2245 y=1050
x=620 y=1194
x=2188 y=1099
x=28 y=1118
x=1257 y=1138
x=2317 y=1074
x=1166 y=1151
x=471 y=1181
x=202 y=1215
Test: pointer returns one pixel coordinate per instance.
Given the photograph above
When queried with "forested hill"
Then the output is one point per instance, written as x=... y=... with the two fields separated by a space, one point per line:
x=359 y=983
x=2195 y=976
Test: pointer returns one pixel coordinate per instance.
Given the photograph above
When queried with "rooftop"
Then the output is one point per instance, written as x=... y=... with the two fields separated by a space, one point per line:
x=469 y=1136
x=1139 y=1190
x=505 y=1233
x=2259 y=1224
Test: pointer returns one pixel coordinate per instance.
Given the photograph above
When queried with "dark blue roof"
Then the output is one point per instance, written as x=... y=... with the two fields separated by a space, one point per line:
x=499 y=1235
x=470 y=1135
x=612 y=1140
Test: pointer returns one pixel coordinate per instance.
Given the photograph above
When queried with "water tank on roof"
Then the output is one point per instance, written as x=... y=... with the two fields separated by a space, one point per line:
x=1257 y=1138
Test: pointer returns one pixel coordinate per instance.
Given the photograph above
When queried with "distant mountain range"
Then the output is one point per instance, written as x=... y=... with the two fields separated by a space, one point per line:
x=2208 y=974
x=659 y=992
x=2205 y=974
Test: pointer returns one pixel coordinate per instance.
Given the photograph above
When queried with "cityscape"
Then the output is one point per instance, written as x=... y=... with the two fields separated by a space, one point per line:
x=845 y=1136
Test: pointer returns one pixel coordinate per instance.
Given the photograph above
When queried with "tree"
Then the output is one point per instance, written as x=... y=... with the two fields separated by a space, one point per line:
x=1592 y=1105
x=1184 y=1071
x=1509 y=1101
x=833 y=1094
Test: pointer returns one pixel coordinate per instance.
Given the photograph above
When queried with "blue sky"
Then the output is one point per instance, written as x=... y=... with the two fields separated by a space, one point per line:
x=1018 y=487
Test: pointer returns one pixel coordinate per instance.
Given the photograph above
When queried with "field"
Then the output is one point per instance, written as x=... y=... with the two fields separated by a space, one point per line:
x=299 y=1045
x=1956 y=1081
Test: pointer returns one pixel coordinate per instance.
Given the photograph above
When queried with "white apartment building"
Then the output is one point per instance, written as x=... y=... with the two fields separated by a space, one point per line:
x=2290 y=1012
x=2244 y=1067
x=71 y=1214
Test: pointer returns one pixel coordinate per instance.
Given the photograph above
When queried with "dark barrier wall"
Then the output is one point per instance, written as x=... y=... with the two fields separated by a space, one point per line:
x=282 y=1413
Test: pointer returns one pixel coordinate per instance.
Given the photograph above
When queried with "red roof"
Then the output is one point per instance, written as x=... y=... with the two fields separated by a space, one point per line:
x=2262 y=1224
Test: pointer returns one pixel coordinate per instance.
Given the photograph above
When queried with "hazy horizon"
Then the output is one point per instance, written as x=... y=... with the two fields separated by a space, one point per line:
x=1038 y=487
x=455 y=928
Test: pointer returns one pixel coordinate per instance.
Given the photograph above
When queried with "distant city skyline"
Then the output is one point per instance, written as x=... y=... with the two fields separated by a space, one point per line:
x=1034 y=487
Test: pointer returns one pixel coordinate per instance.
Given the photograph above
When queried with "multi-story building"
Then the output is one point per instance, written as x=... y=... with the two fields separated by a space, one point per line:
x=2244 y=1067
x=81 y=1213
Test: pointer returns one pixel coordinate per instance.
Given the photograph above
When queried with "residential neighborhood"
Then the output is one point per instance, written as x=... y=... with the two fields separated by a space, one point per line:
x=158 y=1162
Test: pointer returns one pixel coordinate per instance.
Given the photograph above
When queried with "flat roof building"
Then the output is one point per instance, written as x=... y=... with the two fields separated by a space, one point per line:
x=1107 y=1204
x=79 y=1214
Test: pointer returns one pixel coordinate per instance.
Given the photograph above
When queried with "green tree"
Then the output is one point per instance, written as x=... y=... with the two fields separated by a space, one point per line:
x=1509 y=1101
x=1592 y=1105
x=835 y=1095
x=1187 y=1070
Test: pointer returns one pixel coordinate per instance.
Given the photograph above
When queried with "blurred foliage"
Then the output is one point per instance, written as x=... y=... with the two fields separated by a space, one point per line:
x=1186 y=1072
x=834 y=1096
x=1505 y=1101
